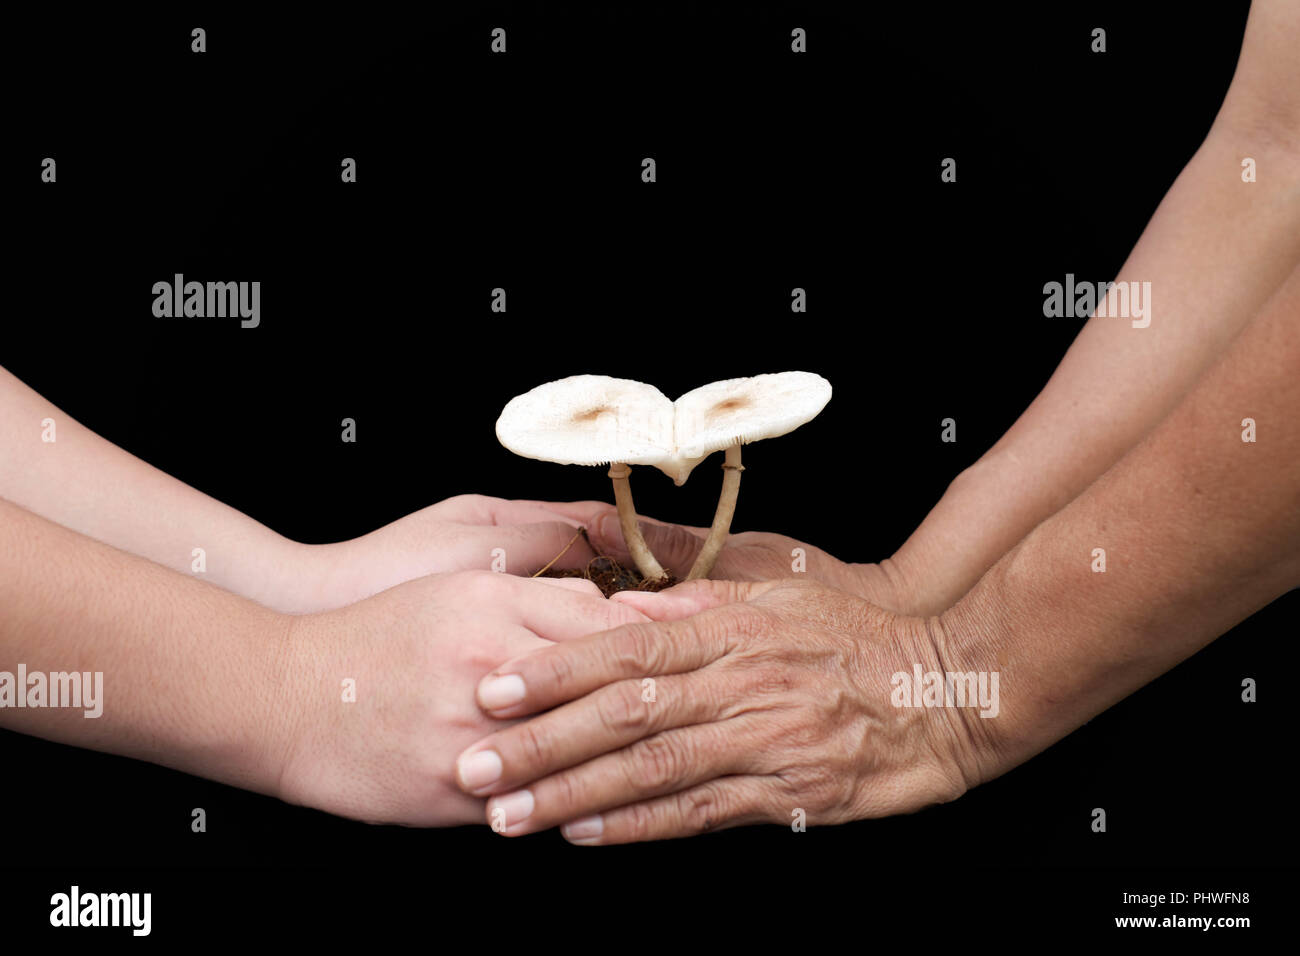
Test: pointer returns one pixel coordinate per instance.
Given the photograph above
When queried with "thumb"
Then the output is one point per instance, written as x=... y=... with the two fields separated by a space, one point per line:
x=690 y=598
x=674 y=546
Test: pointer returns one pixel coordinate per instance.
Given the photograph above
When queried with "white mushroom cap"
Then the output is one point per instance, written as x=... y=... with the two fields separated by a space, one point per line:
x=597 y=420
x=742 y=410
x=589 y=420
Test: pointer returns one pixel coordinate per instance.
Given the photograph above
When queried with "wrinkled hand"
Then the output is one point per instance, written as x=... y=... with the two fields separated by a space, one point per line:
x=415 y=653
x=458 y=534
x=742 y=713
x=748 y=555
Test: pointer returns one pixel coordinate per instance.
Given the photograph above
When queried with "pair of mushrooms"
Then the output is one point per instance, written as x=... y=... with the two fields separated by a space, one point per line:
x=596 y=420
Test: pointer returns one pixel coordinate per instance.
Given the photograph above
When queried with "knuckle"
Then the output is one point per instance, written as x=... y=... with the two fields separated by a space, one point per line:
x=479 y=585
x=657 y=763
x=806 y=775
x=742 y=630
x=557 y=669
x=635 y=649
x=567 y=793
x=700 y=809
x=774 y=681
x=821 y=784
x=535 y=744
x=640 y=821
x=475 y=659
x=468 y=508
x=743 y=621
x=621 y=709
x=608 y=615
x=795 y=594
x=812 y=786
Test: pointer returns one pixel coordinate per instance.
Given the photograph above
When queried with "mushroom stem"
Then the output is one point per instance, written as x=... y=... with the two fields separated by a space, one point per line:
x=722 y=517
x=650 y=569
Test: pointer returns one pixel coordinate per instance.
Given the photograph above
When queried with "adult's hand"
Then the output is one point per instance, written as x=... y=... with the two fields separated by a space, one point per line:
x=415 y=654
x=782 y=698
x=743 y=703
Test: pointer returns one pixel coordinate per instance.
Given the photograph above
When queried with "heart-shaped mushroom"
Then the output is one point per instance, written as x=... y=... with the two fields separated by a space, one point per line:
x=597 y=420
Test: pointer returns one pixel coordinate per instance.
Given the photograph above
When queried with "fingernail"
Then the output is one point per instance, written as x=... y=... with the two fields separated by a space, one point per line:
x=498 y=692
x=517 y=806
x=480 y=769
x=584 y=830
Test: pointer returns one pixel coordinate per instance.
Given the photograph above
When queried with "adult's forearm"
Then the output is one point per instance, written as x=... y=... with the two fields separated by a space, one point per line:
x=189 y=670
x=1214 y=252
x=1199 y=528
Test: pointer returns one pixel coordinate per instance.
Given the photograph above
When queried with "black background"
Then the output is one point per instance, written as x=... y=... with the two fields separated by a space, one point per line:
x=522 y=171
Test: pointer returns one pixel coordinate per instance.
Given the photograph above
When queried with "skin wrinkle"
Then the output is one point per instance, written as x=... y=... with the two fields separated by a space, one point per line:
x=281 y=666
x=658 y=763
x=964 y=733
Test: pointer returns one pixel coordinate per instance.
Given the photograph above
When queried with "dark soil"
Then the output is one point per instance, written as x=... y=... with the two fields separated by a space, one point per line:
x=604 y=572
x=611 y=577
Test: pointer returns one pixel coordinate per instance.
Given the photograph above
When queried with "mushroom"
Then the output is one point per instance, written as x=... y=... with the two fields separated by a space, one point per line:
x=597 y=420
